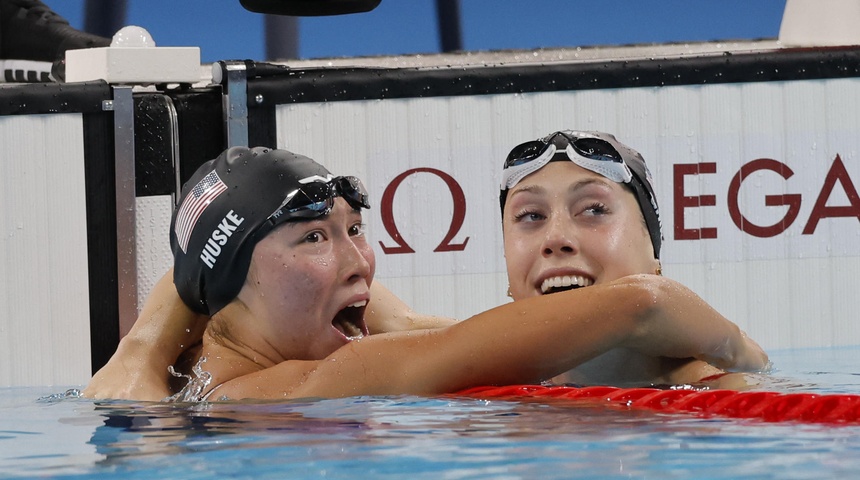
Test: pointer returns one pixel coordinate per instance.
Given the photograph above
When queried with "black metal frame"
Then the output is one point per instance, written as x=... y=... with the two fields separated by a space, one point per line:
x=342 y=84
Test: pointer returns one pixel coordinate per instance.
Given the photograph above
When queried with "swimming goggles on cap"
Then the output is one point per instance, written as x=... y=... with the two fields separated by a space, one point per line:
x=587 y=151
x=316 y=199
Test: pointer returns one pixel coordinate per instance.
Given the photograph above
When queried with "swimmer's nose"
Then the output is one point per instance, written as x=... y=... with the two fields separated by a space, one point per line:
x=560 y=238
x=358 y=260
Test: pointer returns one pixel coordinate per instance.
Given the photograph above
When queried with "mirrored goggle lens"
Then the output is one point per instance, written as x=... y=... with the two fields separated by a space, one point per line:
x=310 y=210
x=526 y=152
x=595 y=149
x=353 y=191
x=592 y=153
x=311 y=201
x=317 y=199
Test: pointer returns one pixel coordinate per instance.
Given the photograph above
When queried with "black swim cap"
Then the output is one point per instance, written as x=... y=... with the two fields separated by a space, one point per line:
x=220 y=210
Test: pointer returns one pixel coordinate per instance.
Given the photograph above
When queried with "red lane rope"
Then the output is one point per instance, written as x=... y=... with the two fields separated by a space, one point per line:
x=766 y=406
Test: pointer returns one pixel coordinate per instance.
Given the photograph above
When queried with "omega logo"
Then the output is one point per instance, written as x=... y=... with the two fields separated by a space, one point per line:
x=387 y=212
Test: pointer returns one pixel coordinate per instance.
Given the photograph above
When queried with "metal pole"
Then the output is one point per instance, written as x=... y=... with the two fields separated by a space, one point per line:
x=126 y=238
x=104 y=17
x=448 y=13
x=233 y=75
x=282 y=37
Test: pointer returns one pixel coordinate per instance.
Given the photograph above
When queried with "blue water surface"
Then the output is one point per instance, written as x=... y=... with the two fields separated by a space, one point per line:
x=44 y=433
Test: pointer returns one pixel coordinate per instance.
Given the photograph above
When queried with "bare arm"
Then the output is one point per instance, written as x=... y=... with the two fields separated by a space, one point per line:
x=388 y=313
x=165 y=328
x=521 y=342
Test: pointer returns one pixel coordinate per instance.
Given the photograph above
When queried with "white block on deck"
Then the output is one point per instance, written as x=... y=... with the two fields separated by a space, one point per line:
x=134 y=65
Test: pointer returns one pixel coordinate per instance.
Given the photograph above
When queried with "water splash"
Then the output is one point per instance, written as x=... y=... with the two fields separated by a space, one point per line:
x=71 y=393
x=197 y=383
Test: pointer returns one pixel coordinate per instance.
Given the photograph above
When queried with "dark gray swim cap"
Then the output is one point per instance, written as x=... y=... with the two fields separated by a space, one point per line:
x=219 y=217
x=596 y=151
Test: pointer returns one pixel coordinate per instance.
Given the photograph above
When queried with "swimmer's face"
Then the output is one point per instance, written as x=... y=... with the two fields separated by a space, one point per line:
x=309 y=282
x=566 y=221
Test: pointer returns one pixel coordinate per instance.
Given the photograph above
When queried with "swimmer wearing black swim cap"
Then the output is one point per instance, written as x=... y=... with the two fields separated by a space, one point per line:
x=234 y=201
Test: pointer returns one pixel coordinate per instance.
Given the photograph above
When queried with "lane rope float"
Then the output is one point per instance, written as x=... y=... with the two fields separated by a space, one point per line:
x=762 y=405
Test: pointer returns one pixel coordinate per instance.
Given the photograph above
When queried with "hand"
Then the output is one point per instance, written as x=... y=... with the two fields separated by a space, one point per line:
x=741 y=355
x=165 y=329
x=127 y=375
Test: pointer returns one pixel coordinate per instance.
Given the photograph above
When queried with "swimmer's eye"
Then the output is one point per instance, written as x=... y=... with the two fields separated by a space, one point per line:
x=357 y=230
x=596 y=208
x=314 y=237
x=528 y=216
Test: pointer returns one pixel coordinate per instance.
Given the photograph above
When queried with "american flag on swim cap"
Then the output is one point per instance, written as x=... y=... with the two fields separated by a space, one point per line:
x=206 y=190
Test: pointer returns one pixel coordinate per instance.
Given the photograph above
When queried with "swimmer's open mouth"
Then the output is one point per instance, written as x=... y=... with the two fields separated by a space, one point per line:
x=350 y=321
x=564 y=283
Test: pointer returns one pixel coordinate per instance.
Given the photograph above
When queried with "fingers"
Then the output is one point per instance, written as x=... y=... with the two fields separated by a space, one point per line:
x=750 y=357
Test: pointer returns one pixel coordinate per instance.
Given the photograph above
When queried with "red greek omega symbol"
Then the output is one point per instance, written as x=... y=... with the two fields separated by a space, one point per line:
x=456 y=222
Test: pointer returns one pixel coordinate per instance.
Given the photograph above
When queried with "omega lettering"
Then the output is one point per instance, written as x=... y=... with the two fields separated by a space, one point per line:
x=219 y=238
x=791 y=202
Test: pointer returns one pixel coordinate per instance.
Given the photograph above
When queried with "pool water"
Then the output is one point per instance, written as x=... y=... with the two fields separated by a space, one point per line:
x=45 y=434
